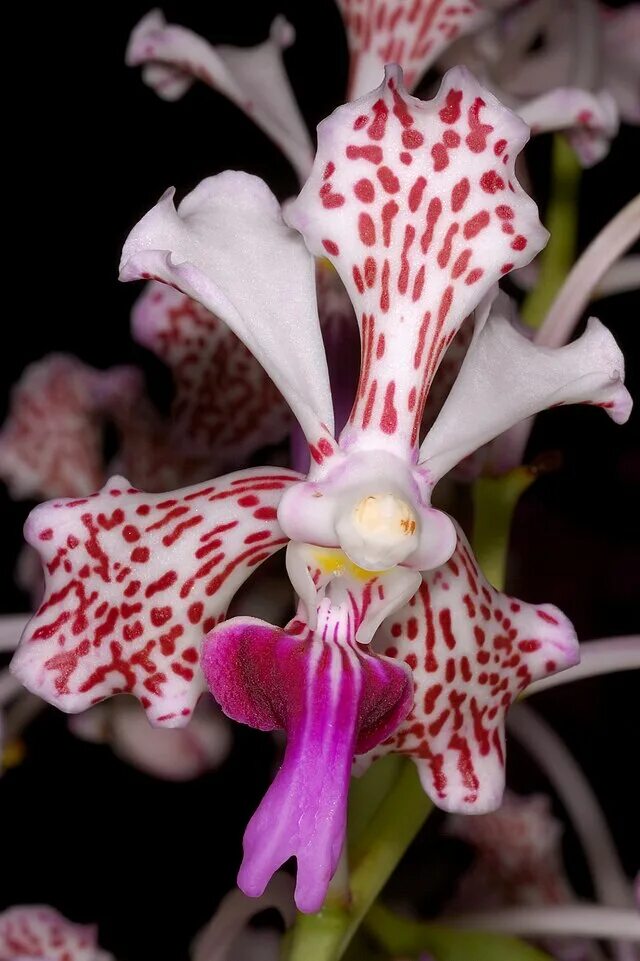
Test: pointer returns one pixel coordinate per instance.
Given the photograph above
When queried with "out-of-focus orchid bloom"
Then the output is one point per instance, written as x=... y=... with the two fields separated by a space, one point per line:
x=578 y=80
x=417 y=206
x=51 y=442
x=37 y=931
x=518 y=862
x=553 y=63
x=181 y=754
x=253 y=78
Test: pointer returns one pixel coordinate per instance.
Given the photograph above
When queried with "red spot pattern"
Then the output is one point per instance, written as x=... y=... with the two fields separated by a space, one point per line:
x=411 y=33
x=477 y=650
x=419 y=243
x=40 y=932
x=118 y=617
x=51 y=443
x=225 y=405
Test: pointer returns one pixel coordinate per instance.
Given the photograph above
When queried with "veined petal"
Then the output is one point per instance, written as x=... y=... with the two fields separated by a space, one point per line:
x=37 y=931
x=132 y=582
x=590 y=120
x=226 y=406
x=253 y=78
x=227 y=247
x=417 y=206
x=172 y=754
x=506 y=378
x=332 y=698
x=412 y=33
x=51 y=442
x=471 y=650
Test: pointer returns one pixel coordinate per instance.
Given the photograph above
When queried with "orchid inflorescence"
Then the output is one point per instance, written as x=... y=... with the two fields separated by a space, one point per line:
x=408 y=217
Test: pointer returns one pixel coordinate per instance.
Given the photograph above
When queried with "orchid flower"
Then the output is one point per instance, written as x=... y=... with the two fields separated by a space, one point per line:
x=584 y=75
x=37 y=931
x=490 y=36
x=417 y=207
x=518 y=862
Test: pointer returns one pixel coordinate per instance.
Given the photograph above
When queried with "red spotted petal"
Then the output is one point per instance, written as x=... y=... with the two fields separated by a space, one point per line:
x=417 y=206
x=412 y=33
x=226 y=406
x=472 y=650
x=37 y=931
x=51 y=443
x=132 y=582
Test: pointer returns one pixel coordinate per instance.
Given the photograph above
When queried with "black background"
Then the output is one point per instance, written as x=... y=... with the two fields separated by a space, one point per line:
x=91 y=150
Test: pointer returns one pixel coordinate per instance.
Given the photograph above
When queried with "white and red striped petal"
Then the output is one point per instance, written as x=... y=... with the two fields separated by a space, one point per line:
x=133 y=580
x=226 y=406
x=417 y=206
x=253 y=78
x=37 y=931
x=472 y=650
x=227 y=247
x=411 y=33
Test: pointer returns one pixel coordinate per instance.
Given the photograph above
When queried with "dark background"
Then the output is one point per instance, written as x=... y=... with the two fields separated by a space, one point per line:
x=91 y=152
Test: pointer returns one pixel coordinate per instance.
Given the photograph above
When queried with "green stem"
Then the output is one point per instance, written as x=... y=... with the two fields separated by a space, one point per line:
x=562 y=221
x=402 y=936
x=494 y=501
x=378 y=848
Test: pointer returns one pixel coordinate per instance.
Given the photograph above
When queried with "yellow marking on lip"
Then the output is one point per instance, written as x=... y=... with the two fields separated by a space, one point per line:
x=336 y=562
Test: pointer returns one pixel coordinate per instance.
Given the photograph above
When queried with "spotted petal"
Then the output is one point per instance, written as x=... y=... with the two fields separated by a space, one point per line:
x=133 y=580
x=37 y=931
x=417 y=206
x=589 y=120
x=332 y=697
x=228 y=247
x=226 y=407
x=253 y=78
x=506 y=378
x=51 y=442
x=412 y=33
x=472 y=650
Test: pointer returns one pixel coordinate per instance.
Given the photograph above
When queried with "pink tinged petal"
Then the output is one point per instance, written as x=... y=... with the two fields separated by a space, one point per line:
x=228 y=248
x=621 y=68
x=51 y=442
x=253 y=78
x=333 y=699
x=417 y=206
x=177 y=754
x=411 y=33
x=227 y=936
x=132 y=582
x=38 y=931
x=590 y=120
x=226 y=407
x=505 y=378
x=519 y=851
x=472 y=650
